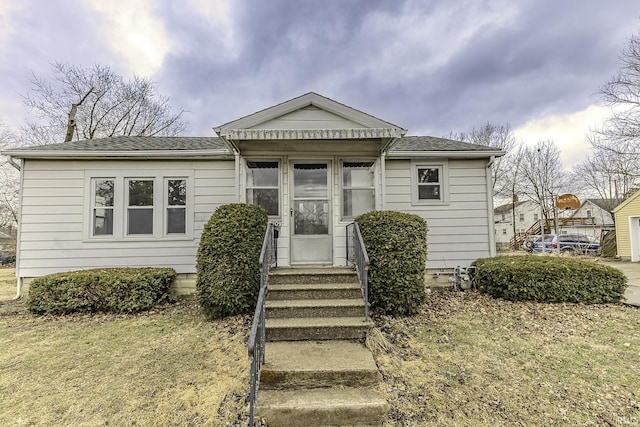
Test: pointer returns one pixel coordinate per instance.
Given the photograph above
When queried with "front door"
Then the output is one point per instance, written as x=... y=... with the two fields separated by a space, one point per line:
x=310 y=213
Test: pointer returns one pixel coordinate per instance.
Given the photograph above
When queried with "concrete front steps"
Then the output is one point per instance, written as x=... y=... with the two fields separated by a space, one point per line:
x=317 y=373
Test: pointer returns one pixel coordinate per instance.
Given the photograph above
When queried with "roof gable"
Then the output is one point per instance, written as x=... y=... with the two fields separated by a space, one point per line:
x=309 y=112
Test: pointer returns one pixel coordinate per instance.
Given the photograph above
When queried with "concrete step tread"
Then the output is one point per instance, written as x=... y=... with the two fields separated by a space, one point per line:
x=352 y=302
x=316 y=322
x=312 y=286
x=317 y=271
x=318 y=356
x=321 y=399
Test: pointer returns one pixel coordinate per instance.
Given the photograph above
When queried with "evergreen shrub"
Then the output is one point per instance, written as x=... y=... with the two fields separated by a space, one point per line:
x=228 y=279
x=112 y=290
x=550 y=279
x=396 y=243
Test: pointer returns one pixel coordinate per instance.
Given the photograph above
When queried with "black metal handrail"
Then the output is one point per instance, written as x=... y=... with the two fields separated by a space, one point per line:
x=361 y=262
x=257 y=336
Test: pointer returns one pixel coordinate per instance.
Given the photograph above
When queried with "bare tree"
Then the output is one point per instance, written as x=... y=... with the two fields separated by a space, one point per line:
x=496 y=136
x=544 y=175
x=620 y=133
x=97 y=102
x=9 y=184
x=608 y=175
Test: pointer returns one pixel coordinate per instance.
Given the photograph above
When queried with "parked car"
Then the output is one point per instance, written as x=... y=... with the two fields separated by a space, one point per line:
x=569 y=243
x=529 y=242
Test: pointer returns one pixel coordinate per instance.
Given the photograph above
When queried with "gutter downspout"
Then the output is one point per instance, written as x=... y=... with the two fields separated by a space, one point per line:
x=20 y=279
x=490 y=217
x=236 y=155
x=14 y=164
x=383 y=171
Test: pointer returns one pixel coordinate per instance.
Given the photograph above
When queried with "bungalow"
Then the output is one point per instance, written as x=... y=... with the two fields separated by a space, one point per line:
x=314 y=164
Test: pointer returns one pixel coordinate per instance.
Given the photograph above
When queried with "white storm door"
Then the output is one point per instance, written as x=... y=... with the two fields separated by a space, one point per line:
x=310 y=213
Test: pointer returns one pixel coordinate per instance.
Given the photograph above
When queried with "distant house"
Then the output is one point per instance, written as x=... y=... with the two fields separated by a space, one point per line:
x=527 y=213
x=593 y=217
x=313 y=163
x=627 y=215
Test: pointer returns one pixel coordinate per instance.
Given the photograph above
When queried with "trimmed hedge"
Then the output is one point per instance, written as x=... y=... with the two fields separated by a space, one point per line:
x=550 y=279
x=114 y=290
x=396 y=243
x=228 y=279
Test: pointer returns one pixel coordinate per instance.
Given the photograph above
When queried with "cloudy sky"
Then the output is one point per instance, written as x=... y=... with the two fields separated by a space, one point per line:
x=430 y=66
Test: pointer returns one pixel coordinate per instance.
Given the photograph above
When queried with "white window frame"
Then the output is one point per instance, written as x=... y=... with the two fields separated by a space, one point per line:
x=246 y=187
x=121 y=205
x=167 y=207
x=443 y=167
x=343 y=188
x=521 y=217
x=153 y=207
x=92 y=193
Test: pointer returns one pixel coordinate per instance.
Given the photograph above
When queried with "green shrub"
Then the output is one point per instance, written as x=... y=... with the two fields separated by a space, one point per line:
x=550 y=279
x=228 y=275
x=396 y=243
x=114 y=290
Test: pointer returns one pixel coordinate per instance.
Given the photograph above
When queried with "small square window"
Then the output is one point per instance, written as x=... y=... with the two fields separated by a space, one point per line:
x=429 y=184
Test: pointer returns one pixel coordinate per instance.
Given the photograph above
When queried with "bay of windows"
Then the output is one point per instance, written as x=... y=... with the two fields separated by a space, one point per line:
x=139 y=207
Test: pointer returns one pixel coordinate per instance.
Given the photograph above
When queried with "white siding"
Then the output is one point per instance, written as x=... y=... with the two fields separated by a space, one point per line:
x=458 y=230
x=54 y=215
x=309 y=118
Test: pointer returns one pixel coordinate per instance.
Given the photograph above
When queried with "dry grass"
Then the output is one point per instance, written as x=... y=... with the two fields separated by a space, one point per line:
x=7 y=283
x=470 y=360
x=467 y=360
x=166 y=367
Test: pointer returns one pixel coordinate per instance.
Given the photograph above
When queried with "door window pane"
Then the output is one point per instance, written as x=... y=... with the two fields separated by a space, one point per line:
x=311 y=217
x=310 y=180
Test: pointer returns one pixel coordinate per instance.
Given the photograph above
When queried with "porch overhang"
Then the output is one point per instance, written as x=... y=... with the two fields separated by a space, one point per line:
x=309 y=134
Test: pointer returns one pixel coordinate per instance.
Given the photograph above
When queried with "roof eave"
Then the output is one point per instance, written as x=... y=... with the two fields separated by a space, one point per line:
x=449 y=154
x=141 y=154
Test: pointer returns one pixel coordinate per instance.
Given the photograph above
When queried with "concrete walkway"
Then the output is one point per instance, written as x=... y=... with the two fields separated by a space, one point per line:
x=632 y=271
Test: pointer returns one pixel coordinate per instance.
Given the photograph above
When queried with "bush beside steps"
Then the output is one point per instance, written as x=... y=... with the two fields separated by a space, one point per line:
x=550 y=279
x=111 y=290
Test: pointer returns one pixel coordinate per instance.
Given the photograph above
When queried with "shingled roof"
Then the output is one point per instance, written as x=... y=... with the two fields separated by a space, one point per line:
x=176 y=147
x=432 y=143
x=154 y=146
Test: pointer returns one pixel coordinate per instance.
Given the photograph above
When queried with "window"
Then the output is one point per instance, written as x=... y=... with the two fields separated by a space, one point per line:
x=503 y=217
x=504 y=231
x=103 y=197
x=151 y=206
x=358 y=194
x=535 y=217
x=521 y=217
x=588 y=213
x=429 y=184
x=176 y=204
x=263 y=186
x=140 y=206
